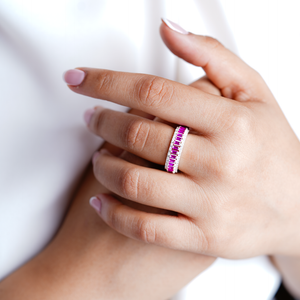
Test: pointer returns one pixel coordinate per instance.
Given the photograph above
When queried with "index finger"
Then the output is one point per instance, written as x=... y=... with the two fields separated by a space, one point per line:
x=169 y=100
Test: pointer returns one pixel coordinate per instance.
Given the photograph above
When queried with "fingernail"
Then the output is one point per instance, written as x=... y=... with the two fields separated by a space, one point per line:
x=74 y=77
x=104 y=151
x=97 y=153
x=174 y=26
x=96 y=204
x=88 y=116
x=95 y=156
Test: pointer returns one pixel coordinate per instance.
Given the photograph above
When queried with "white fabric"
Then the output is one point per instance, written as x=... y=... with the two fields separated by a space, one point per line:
x=44 y=142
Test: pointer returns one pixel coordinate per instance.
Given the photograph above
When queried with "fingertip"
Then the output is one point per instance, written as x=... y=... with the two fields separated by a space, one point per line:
x=100 y=201
x=74 y=77
x=99 y=153
x=178 y=44
x=174 y=26
x=95 y=202
x=88 y=114
x=105 y=152
x=95 y=156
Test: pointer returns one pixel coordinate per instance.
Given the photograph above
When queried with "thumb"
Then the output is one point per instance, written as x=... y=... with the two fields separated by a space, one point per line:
x=228 y=72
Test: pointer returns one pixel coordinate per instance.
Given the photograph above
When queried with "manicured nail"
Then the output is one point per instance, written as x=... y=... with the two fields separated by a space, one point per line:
x=174 y=26
x=74 y=77
x=95 y=156
x=104 y=151
x=96 y=204
x=100 y=152
x=88 y=116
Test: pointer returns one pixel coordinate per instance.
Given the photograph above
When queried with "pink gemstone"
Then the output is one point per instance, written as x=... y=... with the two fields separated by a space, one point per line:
x=172 y=160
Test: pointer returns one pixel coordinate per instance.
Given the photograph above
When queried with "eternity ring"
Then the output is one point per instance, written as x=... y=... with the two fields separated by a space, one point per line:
x=175 y=149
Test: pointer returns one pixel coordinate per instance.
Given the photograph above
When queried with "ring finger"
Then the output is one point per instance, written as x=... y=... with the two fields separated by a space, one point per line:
x=148 y=139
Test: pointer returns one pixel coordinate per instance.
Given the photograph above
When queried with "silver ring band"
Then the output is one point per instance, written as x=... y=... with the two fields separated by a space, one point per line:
x=175 y=149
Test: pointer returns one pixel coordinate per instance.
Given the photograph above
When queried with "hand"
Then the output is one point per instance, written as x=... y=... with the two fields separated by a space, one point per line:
x=238 y=193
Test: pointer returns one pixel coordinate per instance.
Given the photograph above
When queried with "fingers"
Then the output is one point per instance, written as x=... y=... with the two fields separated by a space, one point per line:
x=162 y=230
x=172 y=101
x=149 y=140
x=228 y=72
x=145 y=186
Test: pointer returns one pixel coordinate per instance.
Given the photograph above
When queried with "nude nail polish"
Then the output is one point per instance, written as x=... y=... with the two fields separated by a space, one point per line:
x=95 y=156
x=88 y=116
x=174 y=26
x=74 y=77
x=96 y=204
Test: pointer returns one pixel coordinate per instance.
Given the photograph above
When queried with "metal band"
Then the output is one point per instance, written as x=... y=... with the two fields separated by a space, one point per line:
x=175 y=149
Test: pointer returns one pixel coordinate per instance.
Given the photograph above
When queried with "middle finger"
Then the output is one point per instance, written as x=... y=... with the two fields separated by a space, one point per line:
x=169 y=100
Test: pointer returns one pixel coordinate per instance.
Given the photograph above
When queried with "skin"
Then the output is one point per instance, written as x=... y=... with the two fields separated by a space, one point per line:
x=237 y=195
x=89 y=260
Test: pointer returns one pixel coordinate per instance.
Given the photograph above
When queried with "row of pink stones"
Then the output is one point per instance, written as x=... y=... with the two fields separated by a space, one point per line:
x=175 y=148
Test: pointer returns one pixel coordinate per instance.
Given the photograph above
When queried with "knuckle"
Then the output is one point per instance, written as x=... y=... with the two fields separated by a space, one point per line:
x=212 y=42
x=201 y=243
x=136 y=135
x=130 y=183
x=214 y=239
x=155 y=92
x=104 y=82
x=146 y=231
x=239 y=125
x=236 y=119
x=243 y=121
x=112 y=219
x=215 y=232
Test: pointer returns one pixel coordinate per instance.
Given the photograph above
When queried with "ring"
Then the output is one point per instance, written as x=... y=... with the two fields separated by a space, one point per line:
x=175 y=149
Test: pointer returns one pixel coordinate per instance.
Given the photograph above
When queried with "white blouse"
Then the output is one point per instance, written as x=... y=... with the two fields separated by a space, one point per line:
x=44 y=143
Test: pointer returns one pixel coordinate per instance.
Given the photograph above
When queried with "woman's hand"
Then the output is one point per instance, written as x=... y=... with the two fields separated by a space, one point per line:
x=238 y=193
